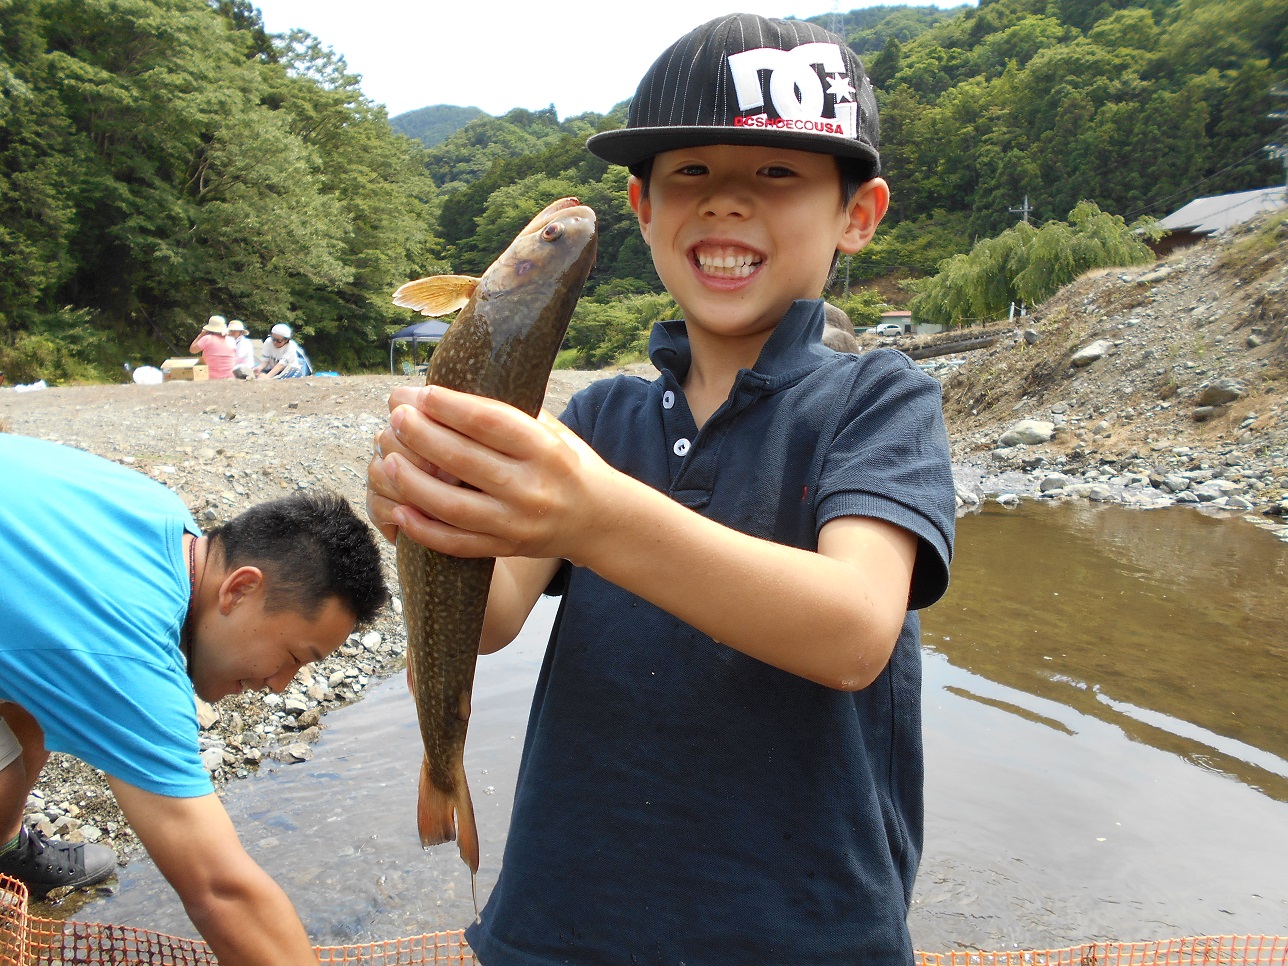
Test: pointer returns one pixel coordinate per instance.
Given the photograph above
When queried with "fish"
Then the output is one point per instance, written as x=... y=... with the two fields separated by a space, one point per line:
x=502 y=344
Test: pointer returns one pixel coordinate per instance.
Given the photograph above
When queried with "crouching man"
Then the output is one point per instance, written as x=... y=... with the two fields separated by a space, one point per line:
x=115 y=611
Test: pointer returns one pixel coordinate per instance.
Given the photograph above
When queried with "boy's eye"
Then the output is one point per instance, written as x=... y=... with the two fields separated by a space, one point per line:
x=777 y=171
x=693 y=170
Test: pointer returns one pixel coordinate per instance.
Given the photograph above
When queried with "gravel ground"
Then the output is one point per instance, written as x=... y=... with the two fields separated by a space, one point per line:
x=1141 y=425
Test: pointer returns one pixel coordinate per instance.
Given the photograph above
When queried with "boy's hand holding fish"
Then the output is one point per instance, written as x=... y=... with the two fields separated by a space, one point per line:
x=528 y=482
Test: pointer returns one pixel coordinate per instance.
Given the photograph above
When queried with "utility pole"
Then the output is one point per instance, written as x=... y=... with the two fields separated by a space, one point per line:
x=1024 y=208
x=1279 y=150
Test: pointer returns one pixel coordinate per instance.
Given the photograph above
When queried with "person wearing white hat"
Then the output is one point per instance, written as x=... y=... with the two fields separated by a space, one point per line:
x=279 y=358
x=243 y=350
x=215 y=347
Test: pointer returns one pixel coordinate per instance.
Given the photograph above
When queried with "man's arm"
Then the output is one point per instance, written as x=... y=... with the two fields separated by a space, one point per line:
x=243 y=915
x=536 y=490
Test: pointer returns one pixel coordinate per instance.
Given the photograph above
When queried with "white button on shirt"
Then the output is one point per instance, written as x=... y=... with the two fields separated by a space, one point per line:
x=668 y=399
x=681 y=446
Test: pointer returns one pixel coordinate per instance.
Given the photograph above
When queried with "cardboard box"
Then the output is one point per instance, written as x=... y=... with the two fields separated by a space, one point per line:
x=189 y=370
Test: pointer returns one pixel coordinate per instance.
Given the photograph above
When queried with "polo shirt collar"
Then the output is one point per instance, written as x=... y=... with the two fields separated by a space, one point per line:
x=796 y=344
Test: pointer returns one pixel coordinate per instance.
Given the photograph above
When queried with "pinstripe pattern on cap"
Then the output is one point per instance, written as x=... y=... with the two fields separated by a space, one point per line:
x=822 y=101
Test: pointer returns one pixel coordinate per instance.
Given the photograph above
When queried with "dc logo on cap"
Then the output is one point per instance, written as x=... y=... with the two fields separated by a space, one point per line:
x=795 y=89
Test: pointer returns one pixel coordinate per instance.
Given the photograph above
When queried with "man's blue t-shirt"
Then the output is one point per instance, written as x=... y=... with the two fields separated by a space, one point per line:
x=677 y=800
x=93 y=595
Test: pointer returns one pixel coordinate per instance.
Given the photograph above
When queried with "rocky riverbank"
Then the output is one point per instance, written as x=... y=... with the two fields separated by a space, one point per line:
x=1148 y=387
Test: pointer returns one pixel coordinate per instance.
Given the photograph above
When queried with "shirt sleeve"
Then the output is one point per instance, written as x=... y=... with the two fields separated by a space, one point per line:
x=891 y=461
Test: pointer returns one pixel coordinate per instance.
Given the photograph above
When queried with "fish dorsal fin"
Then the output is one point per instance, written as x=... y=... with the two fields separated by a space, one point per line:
x=436 y=295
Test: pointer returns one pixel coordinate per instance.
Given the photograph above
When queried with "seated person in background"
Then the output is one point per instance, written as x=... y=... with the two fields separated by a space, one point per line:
x=243 y=350
x=126 y=610
x=215 y=347
x=279 y=358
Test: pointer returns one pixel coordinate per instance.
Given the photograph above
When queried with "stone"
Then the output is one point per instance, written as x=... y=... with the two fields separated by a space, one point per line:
x=207 y=715
x=1028 y=432
x=1091 y=353
x=295 y=704
x=1219 y=392
x=212 y=758
x=1056 y=481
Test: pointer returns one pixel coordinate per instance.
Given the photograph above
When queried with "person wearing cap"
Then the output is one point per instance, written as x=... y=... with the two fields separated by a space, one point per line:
x=125 y=611
x=279 y=357
x=243 y=350
x=723 y=761
x=215 y=347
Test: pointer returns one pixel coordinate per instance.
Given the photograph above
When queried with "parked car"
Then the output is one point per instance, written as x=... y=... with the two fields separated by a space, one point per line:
x=889 y=328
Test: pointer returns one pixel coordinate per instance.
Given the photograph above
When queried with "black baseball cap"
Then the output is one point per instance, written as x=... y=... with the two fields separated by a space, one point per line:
x=743 y=79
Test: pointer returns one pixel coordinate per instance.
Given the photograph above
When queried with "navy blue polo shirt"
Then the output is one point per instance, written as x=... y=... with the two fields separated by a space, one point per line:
x=678 y=801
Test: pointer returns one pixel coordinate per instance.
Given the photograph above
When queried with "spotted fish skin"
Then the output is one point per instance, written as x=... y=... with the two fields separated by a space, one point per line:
x=502 y=345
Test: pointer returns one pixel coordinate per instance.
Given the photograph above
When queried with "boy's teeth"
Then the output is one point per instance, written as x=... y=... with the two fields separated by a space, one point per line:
x=733 y=264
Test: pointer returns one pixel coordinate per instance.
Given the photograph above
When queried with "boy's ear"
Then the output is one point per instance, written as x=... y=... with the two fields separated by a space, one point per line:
x=866 y=209
x=640 y=204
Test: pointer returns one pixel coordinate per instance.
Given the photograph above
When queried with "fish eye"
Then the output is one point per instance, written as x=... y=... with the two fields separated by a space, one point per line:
x=553 y=231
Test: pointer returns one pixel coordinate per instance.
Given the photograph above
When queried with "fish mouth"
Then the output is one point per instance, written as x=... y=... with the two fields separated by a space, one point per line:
x=725 y=261
x=548 y=213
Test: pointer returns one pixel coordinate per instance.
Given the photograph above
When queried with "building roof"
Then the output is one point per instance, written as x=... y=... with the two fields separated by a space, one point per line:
x=1208 y=216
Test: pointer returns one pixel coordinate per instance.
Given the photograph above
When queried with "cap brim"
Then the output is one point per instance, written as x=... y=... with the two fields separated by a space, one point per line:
x=630 y=146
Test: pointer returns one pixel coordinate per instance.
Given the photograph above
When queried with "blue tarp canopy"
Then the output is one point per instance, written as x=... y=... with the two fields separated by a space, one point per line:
x=429 y=331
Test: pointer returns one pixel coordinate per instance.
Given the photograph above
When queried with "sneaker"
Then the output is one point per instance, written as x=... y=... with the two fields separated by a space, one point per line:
x=42 y=864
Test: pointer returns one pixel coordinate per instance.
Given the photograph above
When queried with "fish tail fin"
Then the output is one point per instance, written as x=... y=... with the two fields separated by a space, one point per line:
x=434 y=819
x=467 y=837
x=441 y=815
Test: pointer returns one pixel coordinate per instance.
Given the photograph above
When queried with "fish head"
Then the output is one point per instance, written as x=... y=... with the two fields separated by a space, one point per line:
x=557 y=247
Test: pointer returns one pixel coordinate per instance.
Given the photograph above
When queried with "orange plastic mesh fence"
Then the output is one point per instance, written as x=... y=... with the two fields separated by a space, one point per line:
x=32 y=941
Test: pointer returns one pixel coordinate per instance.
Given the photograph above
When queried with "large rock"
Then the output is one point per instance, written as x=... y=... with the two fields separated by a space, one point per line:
x=1028 y=432
x=1219 y=392
x=1089 y=354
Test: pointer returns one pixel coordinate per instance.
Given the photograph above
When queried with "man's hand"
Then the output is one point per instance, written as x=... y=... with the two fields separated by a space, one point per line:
x=242 y=914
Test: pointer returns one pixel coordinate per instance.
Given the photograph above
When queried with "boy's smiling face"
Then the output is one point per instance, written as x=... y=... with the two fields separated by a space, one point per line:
x=739 y=232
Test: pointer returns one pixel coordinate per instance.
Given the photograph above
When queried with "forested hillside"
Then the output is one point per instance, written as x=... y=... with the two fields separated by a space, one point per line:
x=434 y=125
x=163 y=159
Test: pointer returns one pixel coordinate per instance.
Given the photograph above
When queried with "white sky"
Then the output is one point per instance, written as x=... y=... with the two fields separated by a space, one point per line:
x=500 y=54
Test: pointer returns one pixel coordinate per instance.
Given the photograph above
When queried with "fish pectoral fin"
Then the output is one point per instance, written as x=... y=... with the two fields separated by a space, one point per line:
x=437 y=294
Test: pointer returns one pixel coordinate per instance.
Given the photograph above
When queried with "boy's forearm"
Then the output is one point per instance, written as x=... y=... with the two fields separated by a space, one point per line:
x=832 y=616
x=517 y=582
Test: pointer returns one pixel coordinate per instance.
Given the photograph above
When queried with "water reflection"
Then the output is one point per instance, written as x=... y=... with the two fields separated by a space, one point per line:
x=1168 y=624
x=1105 y=748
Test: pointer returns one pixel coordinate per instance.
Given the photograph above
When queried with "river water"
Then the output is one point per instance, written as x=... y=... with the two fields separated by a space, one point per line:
x=1106 y=718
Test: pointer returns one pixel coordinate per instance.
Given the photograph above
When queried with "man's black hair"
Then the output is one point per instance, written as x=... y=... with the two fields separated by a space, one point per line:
x=311 y=547
x=854 y=173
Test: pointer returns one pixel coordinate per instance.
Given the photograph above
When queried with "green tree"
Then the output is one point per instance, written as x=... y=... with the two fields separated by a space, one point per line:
x=1027 y=265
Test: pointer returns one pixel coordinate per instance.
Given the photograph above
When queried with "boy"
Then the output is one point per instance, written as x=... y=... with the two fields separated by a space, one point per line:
x=723 y=759
x=115 y=610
